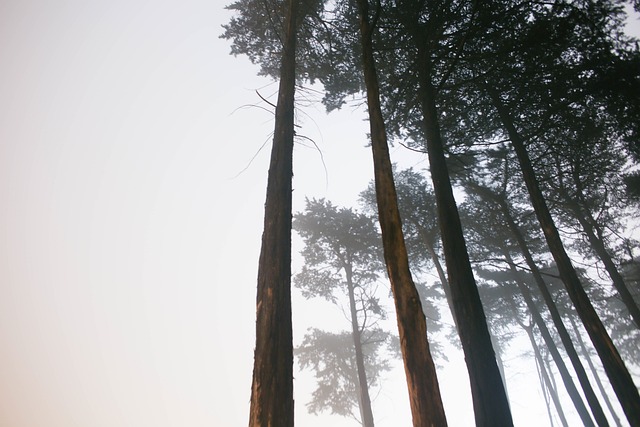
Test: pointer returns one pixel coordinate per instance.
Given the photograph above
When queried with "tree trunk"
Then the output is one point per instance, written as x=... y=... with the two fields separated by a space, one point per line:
x=553 y=349
x=546 y=381
x=366 y=414
x=272 y=384
x=594 y=372
x=590 y=395
x=424 y=392
x=614 y=366
x=436 y=262
x=490 y=403
x=593 y=233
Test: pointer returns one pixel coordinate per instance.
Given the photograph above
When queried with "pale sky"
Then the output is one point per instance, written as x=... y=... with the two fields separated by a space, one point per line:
x=130 y=223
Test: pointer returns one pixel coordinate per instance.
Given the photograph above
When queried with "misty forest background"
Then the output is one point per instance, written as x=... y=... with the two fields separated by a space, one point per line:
x=519 y=232
x=135 y=152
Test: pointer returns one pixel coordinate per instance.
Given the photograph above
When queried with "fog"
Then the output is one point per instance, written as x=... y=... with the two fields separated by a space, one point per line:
x=133 y=162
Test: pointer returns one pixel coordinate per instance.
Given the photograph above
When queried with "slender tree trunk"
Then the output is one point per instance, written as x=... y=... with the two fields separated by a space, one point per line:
x=593 y=234
x=614 y=365
x=436 y=262
x=364 y=400
x=490 y=403
x=546 y=381
x=553 y=349
x=590 y=395
x=272 y=384
x=424 y=392
x=594 y=372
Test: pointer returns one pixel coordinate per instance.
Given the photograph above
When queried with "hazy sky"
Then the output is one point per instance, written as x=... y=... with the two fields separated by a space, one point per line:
x=130 y=228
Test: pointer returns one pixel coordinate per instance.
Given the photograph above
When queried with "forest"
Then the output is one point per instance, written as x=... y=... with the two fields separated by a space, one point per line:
x=529 y=115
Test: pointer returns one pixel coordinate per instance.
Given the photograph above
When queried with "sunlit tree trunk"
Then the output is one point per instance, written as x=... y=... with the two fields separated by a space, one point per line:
x=424 y=392
x=272 y=385
x=614 y=365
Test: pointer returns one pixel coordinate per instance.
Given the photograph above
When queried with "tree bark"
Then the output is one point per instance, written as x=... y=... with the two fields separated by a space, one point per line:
x=272 y=384
x=424 y=392
x=364 y=400
x=614 y=365
x=490 y=403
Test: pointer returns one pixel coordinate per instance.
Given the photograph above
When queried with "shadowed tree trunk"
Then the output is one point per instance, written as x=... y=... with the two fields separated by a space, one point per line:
x=490 y=403
x=614 y=365
x=272 y=385
x=424 y=392
x=594 y=372
x=553 y=349
x=590 y=395
x=594 y=234
x=546 y=381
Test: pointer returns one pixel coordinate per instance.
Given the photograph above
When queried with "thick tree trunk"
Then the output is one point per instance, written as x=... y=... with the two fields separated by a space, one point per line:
x=364 y=400
x=546 y=381
x=272 y=385
x=614 y=365
x=490 y=403
x=594 y=372
x=553 y=349
x=424 y=392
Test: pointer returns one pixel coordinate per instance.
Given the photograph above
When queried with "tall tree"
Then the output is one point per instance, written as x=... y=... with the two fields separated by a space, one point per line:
x=272 y=384
x=618 y=373
x=424 y=391
x=491 y=406
x=544 y=75
x=417 y=206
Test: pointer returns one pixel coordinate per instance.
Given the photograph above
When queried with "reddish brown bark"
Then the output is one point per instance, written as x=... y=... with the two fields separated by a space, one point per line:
x=424 y=392
x=272 y=384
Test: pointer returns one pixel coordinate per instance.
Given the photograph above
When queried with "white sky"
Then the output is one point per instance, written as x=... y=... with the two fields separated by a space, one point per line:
x=130 y=229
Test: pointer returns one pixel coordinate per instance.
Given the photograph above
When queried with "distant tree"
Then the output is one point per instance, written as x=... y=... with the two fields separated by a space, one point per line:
x=333 y=359
x=342 y=258
x=588 y=175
